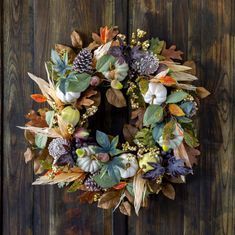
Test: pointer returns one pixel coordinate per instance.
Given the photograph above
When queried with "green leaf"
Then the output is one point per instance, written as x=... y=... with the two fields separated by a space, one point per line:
x=49 y=118
x=41 y=140
x=109 y=174
x=79 y=83
x=103 y=140
x=156 y=45
x=145 y=137
x=168 y=130
x=104 y=181
x=184 y=120
x=104 y=63
x=153 y=114
x=143 y=85
x=176 y=97
x=157 y=131
x=74 y=187
x=115 y=84
x=190 y=140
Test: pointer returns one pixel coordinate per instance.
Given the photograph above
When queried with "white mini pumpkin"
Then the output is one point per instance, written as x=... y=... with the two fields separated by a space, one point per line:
x=131 y=165
x=156 y=94
x=68 y=97
x=118 y=73
x=87 y=161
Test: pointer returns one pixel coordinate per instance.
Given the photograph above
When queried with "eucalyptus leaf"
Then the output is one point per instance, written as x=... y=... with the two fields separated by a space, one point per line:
x=176 y=97
x=104 y=63
x=41 y=140
x=79 y=83
x=49 y=118
x=153 y=114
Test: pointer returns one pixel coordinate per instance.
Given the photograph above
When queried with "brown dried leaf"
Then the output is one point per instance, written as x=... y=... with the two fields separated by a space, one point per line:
x=87 y=197
x=109 y=199
x=125 y=208
x=171 y=53
x=29 y=136
x=61 y=49
x=139 y=187
x=192 y=154
x=87 y=98
x=202 y=92
x=74 y=174
x=191 y=64
x=36 y=120
x=180 y=153
x=116 y=98
x=169 y=191
x=96 y=38
x=76 y=39
x=139 y=114
x=129 y=132
x=177 y=180
x=28 y=155
x=129 y=197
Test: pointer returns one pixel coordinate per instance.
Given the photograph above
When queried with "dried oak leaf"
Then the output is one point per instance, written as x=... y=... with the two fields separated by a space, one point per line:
x=169 y=191
x=87 y=197
x=116 y=98
x=125 y=208
x=139 y=115
x=89 y=97
x=109 y=199
x=76 y=39
x=28 y=155
x=129 y=132
x=192 y=154
x=36 y=120
x=61 y=49
x=171 y=53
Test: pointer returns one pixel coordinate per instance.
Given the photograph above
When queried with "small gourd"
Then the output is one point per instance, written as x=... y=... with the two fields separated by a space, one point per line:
x=68 y=97
x=70 y=115
x=145 y=160
x=87 y=160
x=130 y=165
x=118 y=73
x=156 y=94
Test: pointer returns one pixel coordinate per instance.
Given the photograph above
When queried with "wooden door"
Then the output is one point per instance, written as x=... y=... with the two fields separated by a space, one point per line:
x=204 y=30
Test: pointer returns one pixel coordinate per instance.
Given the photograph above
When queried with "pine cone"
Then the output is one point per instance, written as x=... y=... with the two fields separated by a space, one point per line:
x=146 y=65
x=83 y=62
x=91 y=185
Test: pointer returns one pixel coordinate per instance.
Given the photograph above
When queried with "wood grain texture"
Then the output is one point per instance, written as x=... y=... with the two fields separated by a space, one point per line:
x=204 y=30
x=17 y=176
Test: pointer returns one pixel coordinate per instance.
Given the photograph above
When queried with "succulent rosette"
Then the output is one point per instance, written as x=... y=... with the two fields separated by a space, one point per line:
x=160 y=143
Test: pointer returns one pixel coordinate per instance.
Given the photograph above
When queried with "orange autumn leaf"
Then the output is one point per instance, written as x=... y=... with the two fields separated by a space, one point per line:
x=120 y=185
x=176 y=110
x=39 y=98
x=104 y=33
x=167 y=81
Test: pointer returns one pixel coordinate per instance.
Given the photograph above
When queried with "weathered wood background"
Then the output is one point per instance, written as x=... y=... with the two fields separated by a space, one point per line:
x=204 y=30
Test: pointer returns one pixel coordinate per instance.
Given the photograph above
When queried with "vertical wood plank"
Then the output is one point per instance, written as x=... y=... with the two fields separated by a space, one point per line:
x=54 y=21
x=1 y=106
x=17 y=177
x=205 y=32
x=217 y=118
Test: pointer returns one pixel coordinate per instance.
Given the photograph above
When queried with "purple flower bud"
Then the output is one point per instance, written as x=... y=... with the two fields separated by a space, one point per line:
x=95 y=81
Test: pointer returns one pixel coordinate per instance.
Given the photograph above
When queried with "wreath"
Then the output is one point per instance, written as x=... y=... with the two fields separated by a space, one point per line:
x=160 y=138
